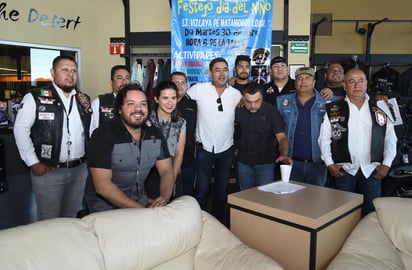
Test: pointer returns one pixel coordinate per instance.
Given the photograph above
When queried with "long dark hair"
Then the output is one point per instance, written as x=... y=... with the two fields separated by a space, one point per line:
x=158 y=89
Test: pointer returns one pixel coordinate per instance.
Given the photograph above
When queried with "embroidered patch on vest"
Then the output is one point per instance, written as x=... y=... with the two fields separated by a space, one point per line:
x=335 y=118
x=380 y=118
x=337 y=130
x=46 y=93
x=84 y=101
x=46 y=150
x=46 y=100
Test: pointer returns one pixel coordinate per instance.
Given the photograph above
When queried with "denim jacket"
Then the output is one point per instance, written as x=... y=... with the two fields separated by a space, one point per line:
x=287 y=107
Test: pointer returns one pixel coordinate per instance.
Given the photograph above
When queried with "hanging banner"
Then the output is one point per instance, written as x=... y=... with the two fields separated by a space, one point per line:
x=205 y=29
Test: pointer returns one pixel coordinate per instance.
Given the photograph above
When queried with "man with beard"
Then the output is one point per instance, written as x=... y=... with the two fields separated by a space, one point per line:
x=242 y=73
x=51 y=132
x=121 y=154
x=333 y=82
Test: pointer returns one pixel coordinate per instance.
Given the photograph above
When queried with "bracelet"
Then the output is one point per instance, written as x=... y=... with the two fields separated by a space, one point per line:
x=167 y=199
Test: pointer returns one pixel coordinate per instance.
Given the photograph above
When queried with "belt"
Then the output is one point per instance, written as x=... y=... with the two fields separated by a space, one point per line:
x=71 y=163
x=303 y=160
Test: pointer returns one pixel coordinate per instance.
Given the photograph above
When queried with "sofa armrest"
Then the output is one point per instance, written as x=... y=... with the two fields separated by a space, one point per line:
x=220 y=249
x=367 y=247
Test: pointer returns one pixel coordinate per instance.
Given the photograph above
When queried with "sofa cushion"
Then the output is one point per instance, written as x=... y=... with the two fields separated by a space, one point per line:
x=395 y=217
x=62 y=243
x=146 y=238
x=220 y=249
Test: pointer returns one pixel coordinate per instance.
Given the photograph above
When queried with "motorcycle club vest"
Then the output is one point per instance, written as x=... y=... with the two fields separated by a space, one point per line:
x=338 y=113
x=47 y=134
x=106 y=108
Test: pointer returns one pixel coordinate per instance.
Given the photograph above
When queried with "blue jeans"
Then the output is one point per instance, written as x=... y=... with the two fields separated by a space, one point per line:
x=220 y=164
x=255 y=175
x=314 y=173
x=59 y=193
x=188 y=179
x=369 y=187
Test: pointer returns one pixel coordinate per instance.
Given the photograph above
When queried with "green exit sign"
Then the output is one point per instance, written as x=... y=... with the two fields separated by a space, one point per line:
x=298 y=47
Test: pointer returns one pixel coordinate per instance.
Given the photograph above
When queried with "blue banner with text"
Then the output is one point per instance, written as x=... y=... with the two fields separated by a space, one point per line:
x=205 y=29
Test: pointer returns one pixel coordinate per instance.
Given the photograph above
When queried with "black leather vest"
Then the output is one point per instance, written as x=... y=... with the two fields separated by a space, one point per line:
x=47 y=134
x=338 y=113
x=106 y=108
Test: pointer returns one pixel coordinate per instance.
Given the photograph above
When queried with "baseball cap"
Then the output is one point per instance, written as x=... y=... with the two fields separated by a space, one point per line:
x=305 y=70
x=278 y=59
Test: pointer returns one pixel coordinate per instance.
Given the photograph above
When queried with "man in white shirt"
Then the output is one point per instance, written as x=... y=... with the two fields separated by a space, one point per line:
x=103 y=106
x=357 y=141
x=216 y=104
x=51 y=131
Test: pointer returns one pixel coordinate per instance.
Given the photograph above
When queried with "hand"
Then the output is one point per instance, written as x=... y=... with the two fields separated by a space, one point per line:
x=335 y=170
x=241 y=103
x=381 y=172
x=158 y=202
x=326 y=93
x=40 y=169
x=284 y=159
x=384 y=98
x=232 y=81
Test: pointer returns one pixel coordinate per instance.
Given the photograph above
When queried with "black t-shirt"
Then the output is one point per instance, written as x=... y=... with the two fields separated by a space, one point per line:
x=255 y=134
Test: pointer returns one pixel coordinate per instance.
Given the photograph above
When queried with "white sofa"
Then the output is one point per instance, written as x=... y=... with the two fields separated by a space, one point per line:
x=178 y=236
x=381 y=240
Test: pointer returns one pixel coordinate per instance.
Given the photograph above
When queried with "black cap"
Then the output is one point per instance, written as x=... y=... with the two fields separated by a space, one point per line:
x=278 y=59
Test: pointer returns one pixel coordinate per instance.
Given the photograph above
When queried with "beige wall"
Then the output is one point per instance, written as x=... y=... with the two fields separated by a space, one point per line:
x=387 y=38
x=299 y=16
x=155 y=15
x=99 y=20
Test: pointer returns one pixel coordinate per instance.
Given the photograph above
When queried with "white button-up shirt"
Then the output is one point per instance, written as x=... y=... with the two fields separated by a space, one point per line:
x=214 y=128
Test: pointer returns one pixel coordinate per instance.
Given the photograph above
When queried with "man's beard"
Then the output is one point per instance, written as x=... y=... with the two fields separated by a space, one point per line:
x=134 y=125
x=243 y=76
x=67 y=89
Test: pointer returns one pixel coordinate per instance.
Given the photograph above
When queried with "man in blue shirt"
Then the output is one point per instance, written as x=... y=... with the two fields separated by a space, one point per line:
x=302 y=113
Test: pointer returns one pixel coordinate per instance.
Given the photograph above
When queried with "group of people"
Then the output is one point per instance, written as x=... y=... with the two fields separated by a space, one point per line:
x=123 y=150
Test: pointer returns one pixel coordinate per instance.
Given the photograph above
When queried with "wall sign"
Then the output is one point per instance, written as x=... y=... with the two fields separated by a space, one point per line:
x=36 y=16
x=298 y=47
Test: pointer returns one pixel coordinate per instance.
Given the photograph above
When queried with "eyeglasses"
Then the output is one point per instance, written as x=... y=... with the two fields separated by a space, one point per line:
x=220 y=106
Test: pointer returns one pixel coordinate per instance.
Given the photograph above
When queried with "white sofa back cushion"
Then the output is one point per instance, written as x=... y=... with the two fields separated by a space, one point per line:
x=395 y=217
x=147 y=238
x=63 y=243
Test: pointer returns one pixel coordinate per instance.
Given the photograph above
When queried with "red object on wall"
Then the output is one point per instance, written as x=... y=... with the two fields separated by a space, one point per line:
x=117 y=48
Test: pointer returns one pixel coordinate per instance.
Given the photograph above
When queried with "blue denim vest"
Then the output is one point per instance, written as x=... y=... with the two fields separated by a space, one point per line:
x=287 y=107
